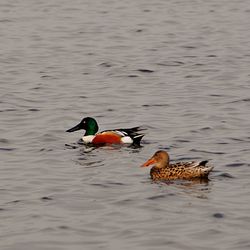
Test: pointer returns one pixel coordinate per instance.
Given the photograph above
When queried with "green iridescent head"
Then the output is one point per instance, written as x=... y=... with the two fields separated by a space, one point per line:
x=89 y=124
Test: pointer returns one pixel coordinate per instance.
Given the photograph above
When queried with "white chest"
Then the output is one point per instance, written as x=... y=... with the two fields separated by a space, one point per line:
x=88 y=138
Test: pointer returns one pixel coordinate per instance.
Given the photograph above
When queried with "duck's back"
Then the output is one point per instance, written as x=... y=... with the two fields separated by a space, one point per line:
x=181 y=170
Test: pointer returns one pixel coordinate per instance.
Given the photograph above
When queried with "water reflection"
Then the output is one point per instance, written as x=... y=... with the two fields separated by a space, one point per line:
x=199 y=188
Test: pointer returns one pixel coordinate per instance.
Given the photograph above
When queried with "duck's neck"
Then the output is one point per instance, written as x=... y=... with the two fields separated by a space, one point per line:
x=161 y=165
x=91 y=131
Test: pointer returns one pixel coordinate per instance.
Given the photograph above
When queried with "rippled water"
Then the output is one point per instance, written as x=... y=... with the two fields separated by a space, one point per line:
x=180 y=68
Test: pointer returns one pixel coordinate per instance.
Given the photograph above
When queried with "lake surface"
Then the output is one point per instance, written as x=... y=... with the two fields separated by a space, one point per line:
x=179 y=68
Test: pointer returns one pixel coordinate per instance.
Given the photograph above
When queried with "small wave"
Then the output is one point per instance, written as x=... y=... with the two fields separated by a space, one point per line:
x=46 y=198
x=5 y=21
x=182 y=140
x=133 y=76
x=171 y=64
x=193 y=76
x=8 y=110
x=156 y=105
x=157 y=197
x=218 y=215
x=108 y=184
x=236 y=164
x=208 y=152
x=146 y=70
x=225 y=175
x=63 y=227
x=2 y=140
x=116 y=183
x=205 y=128
x=7 y=149
x=241 y=100
x=14 y=202
x=33 y=110
x=105 y=64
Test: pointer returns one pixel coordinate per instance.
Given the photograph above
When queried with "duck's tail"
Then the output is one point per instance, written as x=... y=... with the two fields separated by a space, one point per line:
x=137 y=140
x=205 y=170
x=203 y=163
x=134 y=134
x=132 y=131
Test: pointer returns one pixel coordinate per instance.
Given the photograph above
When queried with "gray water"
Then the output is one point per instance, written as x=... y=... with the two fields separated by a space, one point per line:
x=179 y=68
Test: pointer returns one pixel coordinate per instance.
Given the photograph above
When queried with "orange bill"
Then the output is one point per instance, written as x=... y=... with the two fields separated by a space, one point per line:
x=149 y=162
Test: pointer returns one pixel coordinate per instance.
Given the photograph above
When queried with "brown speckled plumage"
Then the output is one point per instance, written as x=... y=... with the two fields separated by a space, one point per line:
x=163 y=170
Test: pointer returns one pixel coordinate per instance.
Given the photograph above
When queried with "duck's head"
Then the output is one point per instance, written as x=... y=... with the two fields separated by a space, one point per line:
x=160 y=159
x=88 y=123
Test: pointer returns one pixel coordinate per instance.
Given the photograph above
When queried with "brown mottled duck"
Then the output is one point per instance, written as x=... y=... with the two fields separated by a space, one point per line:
x=163 y=170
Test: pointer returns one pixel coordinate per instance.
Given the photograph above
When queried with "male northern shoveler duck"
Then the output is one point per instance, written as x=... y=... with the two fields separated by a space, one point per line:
x=115 y=136
x=163 y=170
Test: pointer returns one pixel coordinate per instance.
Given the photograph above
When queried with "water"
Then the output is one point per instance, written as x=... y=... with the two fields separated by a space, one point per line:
x=180 y=68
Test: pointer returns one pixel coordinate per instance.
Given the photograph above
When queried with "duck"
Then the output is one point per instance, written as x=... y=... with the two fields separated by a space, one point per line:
x=164 y=170
x=126 y=136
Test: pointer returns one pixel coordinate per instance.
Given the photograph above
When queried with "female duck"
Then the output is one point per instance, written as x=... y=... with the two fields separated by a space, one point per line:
x=163 y=170
x=115 y=136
